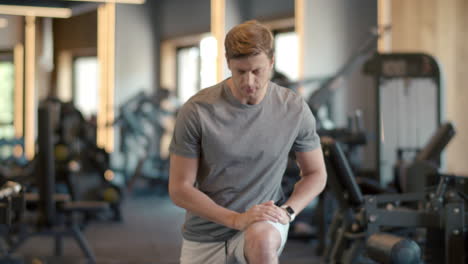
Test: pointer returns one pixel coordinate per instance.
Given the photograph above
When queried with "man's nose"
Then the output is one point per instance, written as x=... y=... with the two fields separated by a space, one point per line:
x=249 y=78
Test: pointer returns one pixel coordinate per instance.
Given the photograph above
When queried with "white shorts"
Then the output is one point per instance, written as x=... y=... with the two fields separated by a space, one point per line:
x=229 y=252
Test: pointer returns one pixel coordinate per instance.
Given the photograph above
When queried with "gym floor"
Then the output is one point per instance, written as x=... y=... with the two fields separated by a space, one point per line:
x=149 y=234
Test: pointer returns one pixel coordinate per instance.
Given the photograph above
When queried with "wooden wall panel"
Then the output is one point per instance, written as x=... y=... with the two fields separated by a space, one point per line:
x=440 y=29
x=458 y=104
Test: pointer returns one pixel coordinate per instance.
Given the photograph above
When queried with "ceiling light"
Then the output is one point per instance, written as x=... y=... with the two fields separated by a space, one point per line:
x=19 y=10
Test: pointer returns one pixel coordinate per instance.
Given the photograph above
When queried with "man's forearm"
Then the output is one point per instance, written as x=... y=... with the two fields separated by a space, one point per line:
x=195 y=201
x=306 y=189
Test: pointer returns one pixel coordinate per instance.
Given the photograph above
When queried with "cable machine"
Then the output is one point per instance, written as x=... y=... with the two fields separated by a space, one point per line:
x=409 y=106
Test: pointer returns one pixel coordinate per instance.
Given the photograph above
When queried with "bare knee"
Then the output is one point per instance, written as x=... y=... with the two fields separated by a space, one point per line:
x=262 y=241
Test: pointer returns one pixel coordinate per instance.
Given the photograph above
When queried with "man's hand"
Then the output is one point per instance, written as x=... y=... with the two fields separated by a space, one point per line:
x=267 y=211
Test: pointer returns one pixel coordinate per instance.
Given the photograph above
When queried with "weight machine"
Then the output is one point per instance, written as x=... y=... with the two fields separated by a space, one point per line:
x=141 y=122
x=373 y=226
x=409 y=106
x=57 y=215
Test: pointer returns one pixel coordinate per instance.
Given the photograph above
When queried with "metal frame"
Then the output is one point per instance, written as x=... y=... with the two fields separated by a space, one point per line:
x=408 y=65
x=449 y=217
x=440 y=209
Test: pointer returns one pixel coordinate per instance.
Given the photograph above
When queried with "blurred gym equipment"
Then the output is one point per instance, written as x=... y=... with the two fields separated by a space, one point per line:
x=82 y=166
x=424 y=216
x=408 y=103
x=57 y=216
x=143 y=122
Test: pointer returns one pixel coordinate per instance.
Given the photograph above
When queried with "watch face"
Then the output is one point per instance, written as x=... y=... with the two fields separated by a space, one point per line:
x=290 y=210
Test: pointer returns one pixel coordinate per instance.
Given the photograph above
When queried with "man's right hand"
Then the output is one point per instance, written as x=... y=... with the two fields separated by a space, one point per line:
x=267 y=211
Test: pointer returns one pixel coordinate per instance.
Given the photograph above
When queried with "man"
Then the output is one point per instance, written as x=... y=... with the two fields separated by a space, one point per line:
x=228 y=155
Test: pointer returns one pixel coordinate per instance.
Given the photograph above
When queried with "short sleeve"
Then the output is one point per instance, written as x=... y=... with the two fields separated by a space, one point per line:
x=187 y=133
x=307 y=138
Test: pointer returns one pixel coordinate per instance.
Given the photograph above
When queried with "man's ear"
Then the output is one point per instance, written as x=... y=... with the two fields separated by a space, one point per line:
x=272 y=61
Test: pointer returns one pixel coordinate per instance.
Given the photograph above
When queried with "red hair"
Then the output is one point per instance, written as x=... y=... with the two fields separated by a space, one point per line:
x=248 y=39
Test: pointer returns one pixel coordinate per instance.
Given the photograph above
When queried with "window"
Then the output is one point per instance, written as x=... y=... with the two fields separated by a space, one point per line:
x=286 y=54
x=196 y=61
x=196 y=67
x=188 y=72
x=85 y=85
x=7 y=86
x=7 y=83
x=208 y=52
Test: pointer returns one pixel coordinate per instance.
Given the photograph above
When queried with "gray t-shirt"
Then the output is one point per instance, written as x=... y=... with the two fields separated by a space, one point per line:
x=242 y=149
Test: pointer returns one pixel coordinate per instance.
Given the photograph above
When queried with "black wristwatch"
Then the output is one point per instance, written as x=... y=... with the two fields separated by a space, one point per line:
x=291 y=213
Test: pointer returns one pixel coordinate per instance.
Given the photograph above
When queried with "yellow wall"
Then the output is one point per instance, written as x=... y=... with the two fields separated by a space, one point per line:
x=440 y=28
